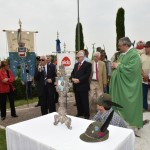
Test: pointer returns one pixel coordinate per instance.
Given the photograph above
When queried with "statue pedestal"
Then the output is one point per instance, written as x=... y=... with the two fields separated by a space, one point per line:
x=62 y=87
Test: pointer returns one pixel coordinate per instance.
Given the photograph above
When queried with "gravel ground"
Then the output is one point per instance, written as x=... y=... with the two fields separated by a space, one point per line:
x=28 y=112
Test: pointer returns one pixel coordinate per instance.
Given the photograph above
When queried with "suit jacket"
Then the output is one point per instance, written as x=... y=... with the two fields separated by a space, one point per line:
x=102 y=75
x=83 y=75
x=40 y=79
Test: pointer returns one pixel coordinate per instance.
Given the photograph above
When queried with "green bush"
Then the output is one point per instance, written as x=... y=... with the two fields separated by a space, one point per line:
x=20 y=90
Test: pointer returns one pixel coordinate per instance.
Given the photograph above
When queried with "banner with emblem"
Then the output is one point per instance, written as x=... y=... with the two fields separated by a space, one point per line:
x=21 y=52
x=27 y=38
x=66 y=59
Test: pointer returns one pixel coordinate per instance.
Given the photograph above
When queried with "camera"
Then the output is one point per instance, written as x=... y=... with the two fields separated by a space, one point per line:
x=38 y=58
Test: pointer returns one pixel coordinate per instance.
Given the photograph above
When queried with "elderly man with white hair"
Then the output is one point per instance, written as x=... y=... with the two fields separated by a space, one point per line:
x=80 y=78
x=98 y=80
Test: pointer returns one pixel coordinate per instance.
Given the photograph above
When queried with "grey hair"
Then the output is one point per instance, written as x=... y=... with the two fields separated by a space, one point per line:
x=125 y=41
x=97 y=54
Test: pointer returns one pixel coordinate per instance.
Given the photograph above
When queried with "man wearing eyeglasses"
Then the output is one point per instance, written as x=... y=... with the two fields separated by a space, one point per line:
x=45 y=76
x=80 y=78
x=126 y=84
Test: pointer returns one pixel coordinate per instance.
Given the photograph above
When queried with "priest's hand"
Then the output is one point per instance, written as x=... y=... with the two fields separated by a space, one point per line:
x=115 y=65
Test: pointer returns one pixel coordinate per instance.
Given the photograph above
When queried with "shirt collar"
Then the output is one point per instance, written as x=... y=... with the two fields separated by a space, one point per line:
x=126 y=51
x=82 y=62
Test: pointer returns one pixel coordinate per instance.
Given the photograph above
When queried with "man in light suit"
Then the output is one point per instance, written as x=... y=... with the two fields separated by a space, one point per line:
x=98 y=80
x=80 y=78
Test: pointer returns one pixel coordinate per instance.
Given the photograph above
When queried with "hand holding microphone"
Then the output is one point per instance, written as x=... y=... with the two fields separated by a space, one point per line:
x=39 y=68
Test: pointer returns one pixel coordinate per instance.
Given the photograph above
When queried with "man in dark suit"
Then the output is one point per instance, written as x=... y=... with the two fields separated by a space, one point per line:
x=80 y=78
x=45 y=76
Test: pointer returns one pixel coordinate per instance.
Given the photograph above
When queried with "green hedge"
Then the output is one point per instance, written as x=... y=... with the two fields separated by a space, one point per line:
x=20 y=90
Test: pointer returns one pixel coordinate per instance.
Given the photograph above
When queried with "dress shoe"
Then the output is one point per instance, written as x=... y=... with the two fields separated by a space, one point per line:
x=74 y=104
x=3 y=118
x=14 y=116
x=86 y=117
x=37 y=105
x=145 y=122
x=79 y=115
x=146 y=110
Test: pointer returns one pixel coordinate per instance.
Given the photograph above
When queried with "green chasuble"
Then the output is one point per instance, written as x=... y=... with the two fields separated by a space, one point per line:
x=126 y=88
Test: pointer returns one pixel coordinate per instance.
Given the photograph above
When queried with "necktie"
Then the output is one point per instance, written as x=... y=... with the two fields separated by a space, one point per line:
x=79 y=65
x=45 y=75
x=44 y=71
x=96 y=72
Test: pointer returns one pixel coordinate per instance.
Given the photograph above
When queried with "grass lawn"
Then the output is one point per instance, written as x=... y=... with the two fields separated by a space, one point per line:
x=23 y=102
x=2 y=139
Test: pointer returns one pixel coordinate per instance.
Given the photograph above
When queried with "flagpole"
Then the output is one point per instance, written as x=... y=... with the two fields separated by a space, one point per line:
x=78 y=27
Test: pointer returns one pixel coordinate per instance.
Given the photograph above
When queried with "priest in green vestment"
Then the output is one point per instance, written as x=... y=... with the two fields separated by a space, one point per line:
x=126 y=84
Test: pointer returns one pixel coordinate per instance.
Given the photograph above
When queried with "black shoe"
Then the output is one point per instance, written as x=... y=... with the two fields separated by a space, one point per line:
x=37 y=105
x=3 y=118
x=79 y=115
x=86 y=117
x=14 y=116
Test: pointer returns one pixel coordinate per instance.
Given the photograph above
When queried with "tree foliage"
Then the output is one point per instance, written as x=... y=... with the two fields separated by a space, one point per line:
x=120 y=27
x=81 y=38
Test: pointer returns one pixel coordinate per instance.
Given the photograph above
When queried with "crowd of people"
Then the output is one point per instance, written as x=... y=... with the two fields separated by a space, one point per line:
x=99 y=85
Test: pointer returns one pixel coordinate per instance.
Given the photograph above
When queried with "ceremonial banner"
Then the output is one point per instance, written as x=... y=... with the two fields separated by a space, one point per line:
x=27 y=38
x=67 y=60
x=21 y=56
x=58 y=49
x=18 y=64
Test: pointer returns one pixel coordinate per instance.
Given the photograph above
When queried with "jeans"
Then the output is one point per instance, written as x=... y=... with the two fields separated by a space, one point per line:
x=145 y=94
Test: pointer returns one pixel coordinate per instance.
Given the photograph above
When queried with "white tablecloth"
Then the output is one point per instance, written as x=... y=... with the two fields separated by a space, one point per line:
x=40 y=134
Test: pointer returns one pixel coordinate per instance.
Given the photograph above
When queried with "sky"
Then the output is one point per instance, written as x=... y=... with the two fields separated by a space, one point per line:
x=98 y=18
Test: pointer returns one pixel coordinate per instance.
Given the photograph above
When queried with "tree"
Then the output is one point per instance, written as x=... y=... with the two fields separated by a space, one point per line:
x=120 y=28
x=81 y=38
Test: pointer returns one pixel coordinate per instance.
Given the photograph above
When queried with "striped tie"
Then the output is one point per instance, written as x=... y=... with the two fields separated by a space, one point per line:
x=79 y=65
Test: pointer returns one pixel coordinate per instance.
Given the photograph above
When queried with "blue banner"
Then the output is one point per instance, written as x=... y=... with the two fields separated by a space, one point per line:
x=58 y=49
x=19 y=64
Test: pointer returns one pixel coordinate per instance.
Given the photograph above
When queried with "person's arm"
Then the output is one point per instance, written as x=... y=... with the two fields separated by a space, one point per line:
x=3 y=78
x=11 y=77
x=104 y=76
x=144 y=76
x=97 y=117
x=87 y=73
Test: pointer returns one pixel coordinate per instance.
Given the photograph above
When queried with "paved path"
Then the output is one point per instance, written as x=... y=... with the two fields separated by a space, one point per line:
x=29 y=112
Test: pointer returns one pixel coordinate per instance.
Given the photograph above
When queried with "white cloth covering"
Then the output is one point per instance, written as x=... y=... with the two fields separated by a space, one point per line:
x=40 y=134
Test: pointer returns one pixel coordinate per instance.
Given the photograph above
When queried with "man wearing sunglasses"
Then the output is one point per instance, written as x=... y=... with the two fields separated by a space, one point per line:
x=45 y=76
x=80 y=78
